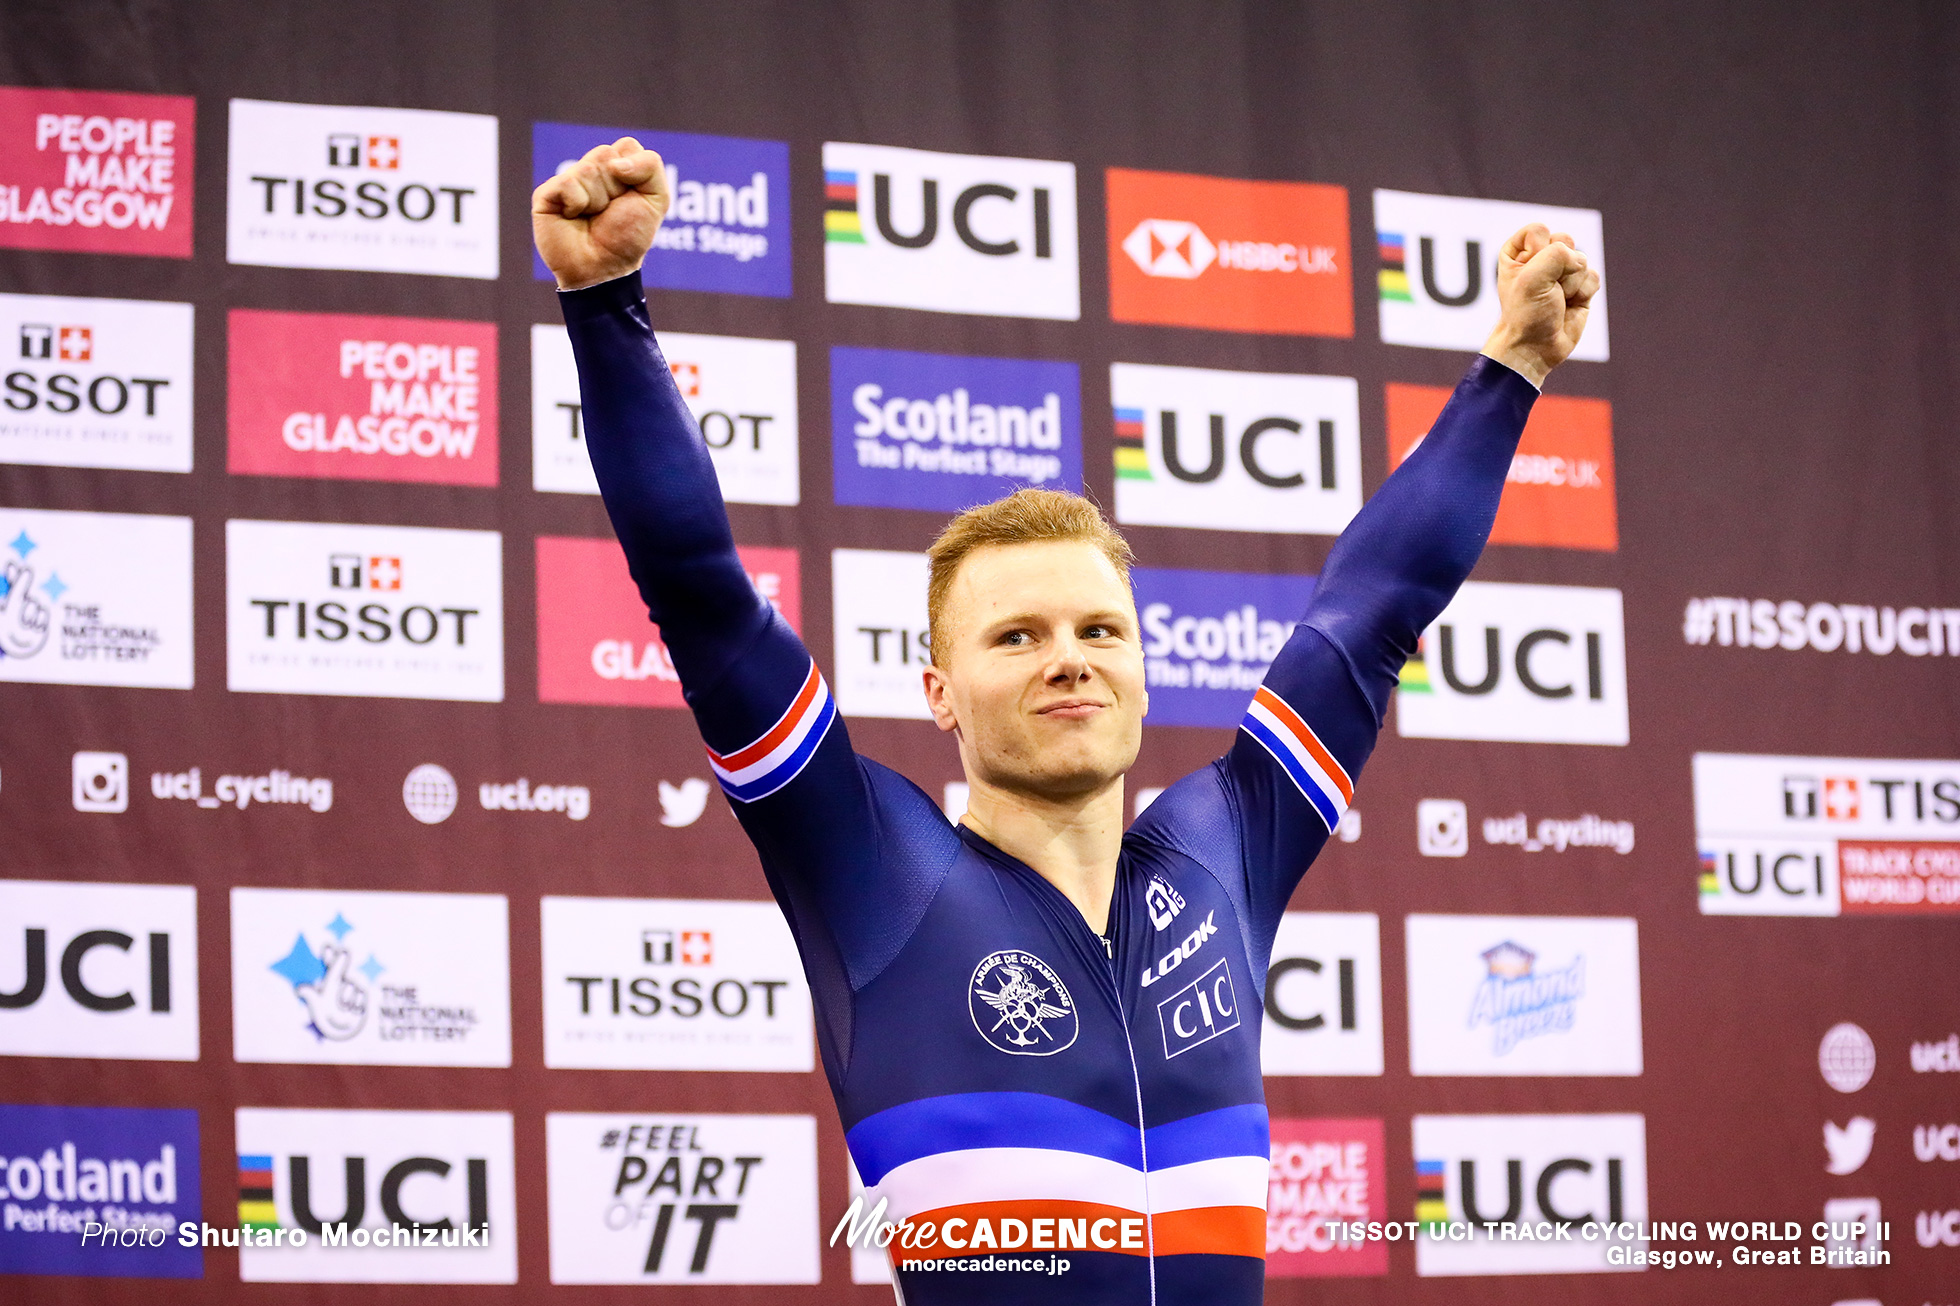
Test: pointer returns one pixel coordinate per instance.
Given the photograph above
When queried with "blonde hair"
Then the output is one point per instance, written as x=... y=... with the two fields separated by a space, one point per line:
x=1028 y=516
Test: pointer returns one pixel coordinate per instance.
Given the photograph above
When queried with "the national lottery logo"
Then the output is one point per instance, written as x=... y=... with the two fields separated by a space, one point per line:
x=99 y=172
x=362 y=398
x=380 y=190
x=652 y=1198
x=371 y=611
x=1229 y=255
x=943 y=432
x=729 y=226
x=1020 y=1005
x=956 y=233
x=370 y=978
x=95 y=599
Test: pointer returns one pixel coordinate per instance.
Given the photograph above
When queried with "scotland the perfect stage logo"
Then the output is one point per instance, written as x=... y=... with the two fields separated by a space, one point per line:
x=1020 y=1005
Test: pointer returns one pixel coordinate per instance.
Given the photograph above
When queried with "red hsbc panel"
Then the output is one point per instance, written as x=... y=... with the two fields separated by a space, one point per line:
x=595 y=644
x=363 y=398
x=97 y=171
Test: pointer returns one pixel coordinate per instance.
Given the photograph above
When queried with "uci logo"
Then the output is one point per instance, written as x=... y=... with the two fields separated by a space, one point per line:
x=1020 y=1005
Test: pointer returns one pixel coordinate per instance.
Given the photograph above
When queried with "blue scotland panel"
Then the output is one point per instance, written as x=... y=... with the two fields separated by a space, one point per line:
x=1208 y=637
x=68 y=1173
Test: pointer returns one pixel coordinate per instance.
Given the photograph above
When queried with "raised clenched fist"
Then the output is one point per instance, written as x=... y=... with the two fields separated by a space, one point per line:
x=1545 y=287
x=595 y=220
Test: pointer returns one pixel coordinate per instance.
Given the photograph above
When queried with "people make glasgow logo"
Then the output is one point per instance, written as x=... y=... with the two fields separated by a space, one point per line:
x=97 y=172
x=729 y=227
x=944 y=432
x=362 y=398
x=1229 y=255
x=955 y=233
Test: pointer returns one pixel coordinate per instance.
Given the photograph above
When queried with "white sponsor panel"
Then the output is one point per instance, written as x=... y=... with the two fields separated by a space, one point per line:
x=367 y=611
x=98 y=970
x=338 y=977
x=672 y=984
x=1820 y=836
x=1520 y=663
x=1324 y=996
x=96 y=383
x=1236 y=451
x=657 y=1198
x=1528 y=1169
x=365 y=189
x=384 y=1196
x=956 y=233
x=1523 y=995
x=878 y=618
x=742 y=393
x=95 y=598
x=1450 y=249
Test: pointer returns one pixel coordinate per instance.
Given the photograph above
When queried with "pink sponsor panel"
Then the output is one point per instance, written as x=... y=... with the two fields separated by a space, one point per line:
x=1324 y=1171
x=97 y=172
x=363 y=398
x=595 y=644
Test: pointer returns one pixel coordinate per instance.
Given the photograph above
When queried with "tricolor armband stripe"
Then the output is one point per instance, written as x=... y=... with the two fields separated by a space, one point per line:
x=779 y=756
x=1319 y=777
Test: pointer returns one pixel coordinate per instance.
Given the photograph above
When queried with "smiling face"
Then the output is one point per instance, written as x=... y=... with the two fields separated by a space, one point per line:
x=1042 y=669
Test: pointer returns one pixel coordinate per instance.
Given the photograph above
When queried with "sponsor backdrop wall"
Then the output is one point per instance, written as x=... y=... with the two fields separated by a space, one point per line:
x=360 y=863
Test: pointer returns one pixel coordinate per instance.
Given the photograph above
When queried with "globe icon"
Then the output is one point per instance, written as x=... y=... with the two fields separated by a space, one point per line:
x=1847 y=1058
x=429 y=793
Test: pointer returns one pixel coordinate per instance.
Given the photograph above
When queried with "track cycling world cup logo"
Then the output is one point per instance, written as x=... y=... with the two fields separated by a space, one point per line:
x=1020 y=1005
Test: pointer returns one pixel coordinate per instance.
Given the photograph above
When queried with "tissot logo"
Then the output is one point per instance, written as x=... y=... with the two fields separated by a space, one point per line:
x=1816 y=836
x=730 y=224
x=363 y=398
x=594 y=642
x=98 y=970
x=346 y=978
x=95 y=383
x=65 y=1169
x=386 y=1196
x=1322 y=1171
x=1229 y=255
x=98 y=172
x=742 y=394
x=878 y=619
x=1559 y=492
x=941 y=431
x=1823 y=627
x=1523 y=995
x=958 y=233
x=1438 y=266
x=375 y=190
x=1526 y=1170
x=672 y=984
x=1324 y=996
x=1208 y=638
x=1527 y=663
x=369 y=611
x=1240 y=451
x=95 y=598
x=682 y=1199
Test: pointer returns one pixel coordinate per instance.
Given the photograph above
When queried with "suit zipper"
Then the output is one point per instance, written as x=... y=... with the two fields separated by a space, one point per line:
x=1143 y=1140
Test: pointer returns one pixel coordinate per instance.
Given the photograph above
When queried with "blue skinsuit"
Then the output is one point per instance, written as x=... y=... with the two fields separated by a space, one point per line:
x=1000 y=1076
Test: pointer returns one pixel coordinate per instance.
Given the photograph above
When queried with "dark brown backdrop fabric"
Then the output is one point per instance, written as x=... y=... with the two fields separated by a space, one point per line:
x=1778 y=191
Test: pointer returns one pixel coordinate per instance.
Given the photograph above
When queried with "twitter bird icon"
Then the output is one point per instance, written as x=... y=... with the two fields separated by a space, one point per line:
x=683 y=804
x=1849 y=1146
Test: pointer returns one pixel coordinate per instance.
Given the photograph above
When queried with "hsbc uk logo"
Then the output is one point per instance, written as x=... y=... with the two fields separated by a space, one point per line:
x=1163 y=248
